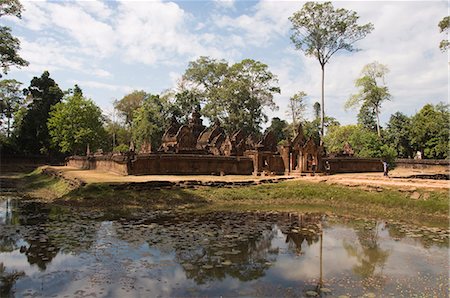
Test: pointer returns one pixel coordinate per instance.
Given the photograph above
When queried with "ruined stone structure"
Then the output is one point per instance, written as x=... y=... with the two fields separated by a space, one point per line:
x=192 y=149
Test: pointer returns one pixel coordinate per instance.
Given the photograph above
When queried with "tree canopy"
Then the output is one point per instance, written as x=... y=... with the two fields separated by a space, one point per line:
x=10 y=45
x=76 y=123
x=443 y=28
x=320 y=30
x=430 y=131
x=235 y=95
x=128 y=105
x=11 y=99
x=372 y=91
x=32 y=133
x=150 y=121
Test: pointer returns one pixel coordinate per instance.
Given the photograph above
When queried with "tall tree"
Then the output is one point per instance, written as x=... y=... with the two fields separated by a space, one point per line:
x=128 y=105
x=11 y=99
x=398 y=134
x=43 y=93
x=430 y=131
x=76 y=123
x=247 y=89
x=236 y=95
x=150 y=120
x=443 y=28
x=367 y=117
x=316 y=110
x=296 y=107
x=280 y=129
x=320 y=31
x=372 y=89
x=10 y=45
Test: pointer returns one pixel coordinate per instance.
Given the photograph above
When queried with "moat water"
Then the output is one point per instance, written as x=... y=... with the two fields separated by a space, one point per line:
x=64 y=252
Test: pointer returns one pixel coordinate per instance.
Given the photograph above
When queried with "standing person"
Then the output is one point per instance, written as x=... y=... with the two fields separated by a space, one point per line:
x=327 y=167
x=385 y=168
x=313 y=166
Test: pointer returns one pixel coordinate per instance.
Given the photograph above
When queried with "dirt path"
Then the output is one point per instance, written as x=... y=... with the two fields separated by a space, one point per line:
x=398 y=178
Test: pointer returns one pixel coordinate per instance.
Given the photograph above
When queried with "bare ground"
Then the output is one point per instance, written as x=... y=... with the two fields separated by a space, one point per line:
x=398 y=178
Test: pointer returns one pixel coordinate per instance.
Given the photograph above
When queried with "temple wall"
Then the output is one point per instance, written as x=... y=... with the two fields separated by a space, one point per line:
x=354 y=165
x=166 y=164
x=190 y=164
x=115 y=164
x=423 y=164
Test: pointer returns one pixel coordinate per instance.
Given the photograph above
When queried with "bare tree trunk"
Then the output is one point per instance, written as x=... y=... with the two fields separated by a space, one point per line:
x=322 y=122
x=378 y=122
x=9 y=127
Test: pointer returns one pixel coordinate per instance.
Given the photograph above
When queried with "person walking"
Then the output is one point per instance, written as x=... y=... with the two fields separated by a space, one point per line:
x=313 y=166
x=385 y=169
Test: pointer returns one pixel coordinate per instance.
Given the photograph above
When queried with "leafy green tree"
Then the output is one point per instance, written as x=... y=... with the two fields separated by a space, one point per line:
x=430 y=129
x=150 y=121
x=236 y=95
x=365 y=143
x=11 y=7
x=32 y=133
x=372 y=90
x=398 y=134
x=10 y=45
x=128 y=105
x=367 y=117
x=316 y=110
x=280 y=129
x=320 y=31
x=11 y=99
x=247 y=89
x=297 y=107
x=76 y=123
x=443 y=28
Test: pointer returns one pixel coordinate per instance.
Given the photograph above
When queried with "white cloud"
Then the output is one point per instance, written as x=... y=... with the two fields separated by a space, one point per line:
x=227 y=4
x=154 y=40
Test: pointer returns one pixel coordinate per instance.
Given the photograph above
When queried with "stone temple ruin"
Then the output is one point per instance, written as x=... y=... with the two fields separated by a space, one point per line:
x=193 y=149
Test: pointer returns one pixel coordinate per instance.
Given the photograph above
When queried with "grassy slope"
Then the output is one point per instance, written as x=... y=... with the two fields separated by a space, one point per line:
x=284 y=196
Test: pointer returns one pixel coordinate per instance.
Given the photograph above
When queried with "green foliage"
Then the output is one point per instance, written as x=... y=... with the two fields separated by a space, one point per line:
x=444 y=45
x=280 y=129
x=128 y=105
x=365 y=143
x=235 y=95
x=32 y=132
x=11 y=99
x=76 y=123
x=150 y=120
x=297 y=107
x=320 y=31
x=367 y=117
x=372 y=93
x=10 y=45
x=430 y=129
x=122 y=148
x=117 y=134
x=11 y=7
x=398 y=134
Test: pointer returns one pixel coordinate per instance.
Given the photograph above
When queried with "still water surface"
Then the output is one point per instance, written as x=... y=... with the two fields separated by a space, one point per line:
x=61 y=252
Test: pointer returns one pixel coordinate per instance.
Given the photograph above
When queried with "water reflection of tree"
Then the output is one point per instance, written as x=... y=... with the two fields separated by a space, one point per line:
x=7 y=281
x=369 y=254
x=46 y=230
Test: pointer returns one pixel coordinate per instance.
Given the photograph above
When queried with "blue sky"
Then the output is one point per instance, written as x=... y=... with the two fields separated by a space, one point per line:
x=112 y=48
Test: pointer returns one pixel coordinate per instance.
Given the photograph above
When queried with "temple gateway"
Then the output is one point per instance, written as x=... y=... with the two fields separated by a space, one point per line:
x=193 y=149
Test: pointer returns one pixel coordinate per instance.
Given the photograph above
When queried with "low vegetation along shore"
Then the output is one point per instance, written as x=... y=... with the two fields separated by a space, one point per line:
x=293 y=195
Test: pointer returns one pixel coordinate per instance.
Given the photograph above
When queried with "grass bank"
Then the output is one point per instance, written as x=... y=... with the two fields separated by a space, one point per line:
x=296 y=195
